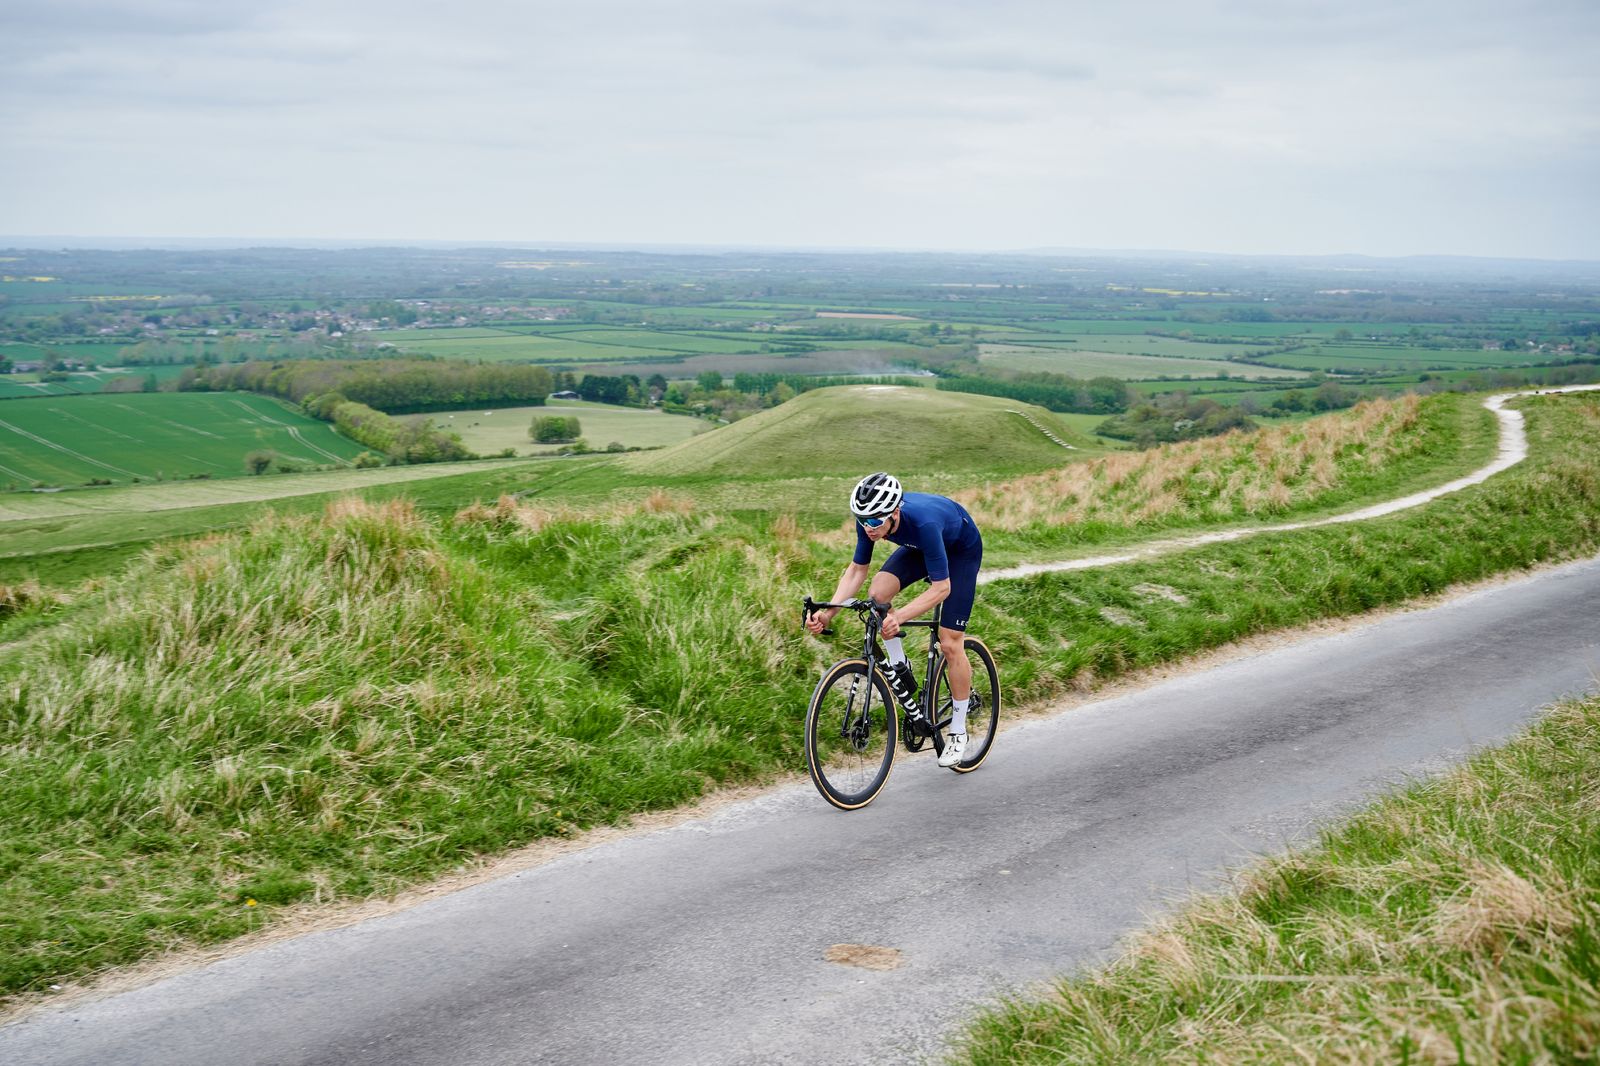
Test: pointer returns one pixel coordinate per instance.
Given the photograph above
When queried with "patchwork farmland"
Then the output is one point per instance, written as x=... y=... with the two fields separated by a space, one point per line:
x=156 y=436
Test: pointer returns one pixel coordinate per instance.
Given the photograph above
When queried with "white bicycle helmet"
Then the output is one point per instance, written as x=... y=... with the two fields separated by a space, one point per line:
x=875 y=495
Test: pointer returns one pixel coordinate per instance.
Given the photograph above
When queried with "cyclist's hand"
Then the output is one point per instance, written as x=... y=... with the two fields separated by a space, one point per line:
x=891 y=625
x=819 y=621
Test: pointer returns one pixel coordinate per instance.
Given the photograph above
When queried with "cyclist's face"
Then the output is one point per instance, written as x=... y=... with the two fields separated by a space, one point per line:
x=881 y=530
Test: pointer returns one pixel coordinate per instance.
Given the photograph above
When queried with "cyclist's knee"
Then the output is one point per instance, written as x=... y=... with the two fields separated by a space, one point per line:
x=951 y=641
x=885 y=587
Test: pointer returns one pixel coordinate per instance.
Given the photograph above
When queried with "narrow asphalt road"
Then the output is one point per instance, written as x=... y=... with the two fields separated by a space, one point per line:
x=704 y=943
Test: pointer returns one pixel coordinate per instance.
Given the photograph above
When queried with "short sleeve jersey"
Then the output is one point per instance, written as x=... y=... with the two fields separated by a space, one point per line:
x=937 y=526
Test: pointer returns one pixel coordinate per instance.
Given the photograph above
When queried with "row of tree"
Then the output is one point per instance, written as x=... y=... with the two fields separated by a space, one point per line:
x=395 y=386
x=400 y=440
x=1054 y=392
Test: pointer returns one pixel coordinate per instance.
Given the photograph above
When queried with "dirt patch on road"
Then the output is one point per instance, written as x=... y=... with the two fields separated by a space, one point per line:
x=866 y=956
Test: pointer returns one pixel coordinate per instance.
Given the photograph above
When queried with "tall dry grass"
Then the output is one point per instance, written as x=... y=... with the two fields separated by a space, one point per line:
x=1239 y=475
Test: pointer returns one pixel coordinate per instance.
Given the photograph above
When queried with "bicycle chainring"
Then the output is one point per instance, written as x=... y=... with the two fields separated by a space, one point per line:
x=914 y=731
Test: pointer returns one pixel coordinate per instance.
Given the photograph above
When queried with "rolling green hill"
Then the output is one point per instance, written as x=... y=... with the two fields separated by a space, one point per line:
x=857 y=428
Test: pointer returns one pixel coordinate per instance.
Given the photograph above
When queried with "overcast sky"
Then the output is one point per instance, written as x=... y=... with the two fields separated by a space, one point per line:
x=1383 y=127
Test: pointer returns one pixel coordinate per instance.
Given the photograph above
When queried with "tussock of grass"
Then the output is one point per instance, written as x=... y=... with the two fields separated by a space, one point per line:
x=1458 y=921
x=27 y=596
x=331 y=707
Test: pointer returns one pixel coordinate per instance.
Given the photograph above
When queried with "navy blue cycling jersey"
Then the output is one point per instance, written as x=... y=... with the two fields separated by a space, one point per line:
x=936 y=526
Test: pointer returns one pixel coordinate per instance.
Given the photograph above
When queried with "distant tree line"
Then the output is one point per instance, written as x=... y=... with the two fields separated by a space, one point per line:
x=401 y=441
x=393 y=386
x=1054 y=392
x=604 y=388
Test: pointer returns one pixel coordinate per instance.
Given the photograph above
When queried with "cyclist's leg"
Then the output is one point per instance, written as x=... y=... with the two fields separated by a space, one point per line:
x=905 y=566
x=885 y=587
x=953 y=621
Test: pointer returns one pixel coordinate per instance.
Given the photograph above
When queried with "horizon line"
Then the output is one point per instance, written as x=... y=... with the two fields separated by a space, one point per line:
x=75 y=242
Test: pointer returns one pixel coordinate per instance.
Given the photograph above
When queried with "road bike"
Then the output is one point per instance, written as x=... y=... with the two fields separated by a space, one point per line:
x=854 y=724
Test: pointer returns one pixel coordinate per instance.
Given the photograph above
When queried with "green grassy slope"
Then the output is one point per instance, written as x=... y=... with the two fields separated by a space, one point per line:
x=328 y=708
x=859 y=428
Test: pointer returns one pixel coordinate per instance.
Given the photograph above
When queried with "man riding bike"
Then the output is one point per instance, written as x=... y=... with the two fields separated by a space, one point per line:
x=938 y=540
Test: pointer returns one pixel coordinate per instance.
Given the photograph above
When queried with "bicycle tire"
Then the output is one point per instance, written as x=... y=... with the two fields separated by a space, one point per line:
x=849 y=757
x=983 y=718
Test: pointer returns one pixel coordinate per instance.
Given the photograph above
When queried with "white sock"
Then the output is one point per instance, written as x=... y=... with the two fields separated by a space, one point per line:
x=958 y=720
x=896 y=649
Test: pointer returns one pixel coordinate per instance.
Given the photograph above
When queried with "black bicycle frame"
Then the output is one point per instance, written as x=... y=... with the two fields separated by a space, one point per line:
x=874 y=613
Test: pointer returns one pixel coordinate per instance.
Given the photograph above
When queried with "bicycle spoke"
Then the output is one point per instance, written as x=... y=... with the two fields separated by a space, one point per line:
x=850 y=763
x=983 y=712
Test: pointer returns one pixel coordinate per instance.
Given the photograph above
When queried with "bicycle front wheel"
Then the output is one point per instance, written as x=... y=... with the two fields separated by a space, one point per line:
x=983 y=713
x=850 y=734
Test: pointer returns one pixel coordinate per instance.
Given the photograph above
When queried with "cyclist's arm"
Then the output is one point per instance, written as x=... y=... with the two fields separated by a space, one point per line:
x=855 y=575
x=849 y=584
x=936 y=593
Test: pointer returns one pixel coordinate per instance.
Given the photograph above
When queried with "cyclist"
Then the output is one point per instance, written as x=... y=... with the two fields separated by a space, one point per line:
x=938 y=540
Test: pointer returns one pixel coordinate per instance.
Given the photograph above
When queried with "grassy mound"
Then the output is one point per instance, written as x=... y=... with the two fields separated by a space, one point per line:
x=857 y=428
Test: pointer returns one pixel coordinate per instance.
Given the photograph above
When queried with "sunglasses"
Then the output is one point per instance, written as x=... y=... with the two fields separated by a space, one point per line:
x=873 y=523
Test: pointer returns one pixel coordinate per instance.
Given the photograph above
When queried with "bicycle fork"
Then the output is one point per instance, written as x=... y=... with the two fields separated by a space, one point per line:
x=856 y=728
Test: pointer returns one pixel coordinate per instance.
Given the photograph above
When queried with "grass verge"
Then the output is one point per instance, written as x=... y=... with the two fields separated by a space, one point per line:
x=333 y=708
x=1456 y=921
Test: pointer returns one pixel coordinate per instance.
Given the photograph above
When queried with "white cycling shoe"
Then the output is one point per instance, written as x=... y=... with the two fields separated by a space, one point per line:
x=955 y=748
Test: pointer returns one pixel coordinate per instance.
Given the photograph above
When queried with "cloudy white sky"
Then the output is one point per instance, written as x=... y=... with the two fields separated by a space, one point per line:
x=1386 y=127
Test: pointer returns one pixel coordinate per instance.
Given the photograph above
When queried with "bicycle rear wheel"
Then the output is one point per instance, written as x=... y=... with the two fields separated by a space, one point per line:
x=850 y=734
x=983 y=713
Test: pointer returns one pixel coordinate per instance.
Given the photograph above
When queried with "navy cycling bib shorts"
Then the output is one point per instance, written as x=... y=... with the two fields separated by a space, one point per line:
x=937 y=540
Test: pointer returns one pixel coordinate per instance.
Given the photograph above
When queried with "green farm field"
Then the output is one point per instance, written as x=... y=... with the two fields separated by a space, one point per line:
x=1371 y=358
x=563 y=344
x=875 y=360
x=686 y=343
x=505 y=345
x=490 y=432
x=24 y=386
x=1087 y=364
x=1141 y=344
x=1261 y=331
x=107 y=352
x=1086 y=425
x=1202 y=386
x=156 y=436
x=28 y=386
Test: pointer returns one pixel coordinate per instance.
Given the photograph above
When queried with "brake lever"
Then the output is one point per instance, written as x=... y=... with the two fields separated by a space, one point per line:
x=807 y=611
